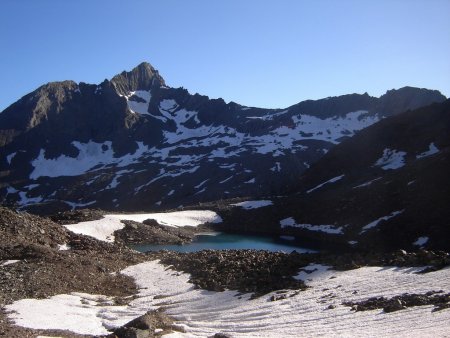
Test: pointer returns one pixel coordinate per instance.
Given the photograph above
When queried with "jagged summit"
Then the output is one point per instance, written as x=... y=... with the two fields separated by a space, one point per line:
x=142 y=77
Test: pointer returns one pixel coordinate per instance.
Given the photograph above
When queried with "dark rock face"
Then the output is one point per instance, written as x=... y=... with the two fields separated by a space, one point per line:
x=144 y=76
x=385 y=188
x=133 y=144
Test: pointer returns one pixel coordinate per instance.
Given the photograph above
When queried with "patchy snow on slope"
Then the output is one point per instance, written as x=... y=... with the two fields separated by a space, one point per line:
x=201 y=183
x=391 y=159
x=421 y=241
x=329 y=229
x=384 y=218
x=115 y=181
x=276 y=167
x=25 y=200
x=330 y=129
x=432 y=149
x=317 y=311
x=74 y=205
x=103 y=229
x=90 y=155
x=331 y=180
x=226 y=180
x=253 y=204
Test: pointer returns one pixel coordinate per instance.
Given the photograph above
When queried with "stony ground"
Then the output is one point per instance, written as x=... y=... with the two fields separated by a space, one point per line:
x=91 y=266
x=43 y=270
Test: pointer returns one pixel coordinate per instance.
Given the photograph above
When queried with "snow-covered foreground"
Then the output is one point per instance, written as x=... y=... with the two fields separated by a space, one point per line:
x=203 y=313
x=104 y=228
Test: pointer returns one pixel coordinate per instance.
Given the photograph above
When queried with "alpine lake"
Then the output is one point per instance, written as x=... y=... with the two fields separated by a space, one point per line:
x=224 y=241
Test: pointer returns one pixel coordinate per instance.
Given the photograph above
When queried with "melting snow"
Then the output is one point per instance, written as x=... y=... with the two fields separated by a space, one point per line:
x=253 y=204
x=432 y=149
x=329 y=229
x=332 y=180
x=384 y=218
x=391 y=159
x=204 y=313
x=103 y=229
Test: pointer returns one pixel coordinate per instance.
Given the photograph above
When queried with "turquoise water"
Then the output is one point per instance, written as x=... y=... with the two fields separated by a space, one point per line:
x=222 y=241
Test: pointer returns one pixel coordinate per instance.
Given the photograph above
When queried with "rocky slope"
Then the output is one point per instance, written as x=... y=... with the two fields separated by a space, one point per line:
x=132 y=143
x=387 y=187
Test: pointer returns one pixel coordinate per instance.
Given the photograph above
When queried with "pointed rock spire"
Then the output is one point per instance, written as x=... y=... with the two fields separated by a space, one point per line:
x=142 y=77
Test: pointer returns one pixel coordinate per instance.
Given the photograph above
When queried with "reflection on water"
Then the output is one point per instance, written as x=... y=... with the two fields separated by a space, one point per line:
x=222 y=241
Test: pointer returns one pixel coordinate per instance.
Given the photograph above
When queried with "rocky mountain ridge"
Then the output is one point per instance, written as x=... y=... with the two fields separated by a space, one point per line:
x=386 y=187
x=132 y=143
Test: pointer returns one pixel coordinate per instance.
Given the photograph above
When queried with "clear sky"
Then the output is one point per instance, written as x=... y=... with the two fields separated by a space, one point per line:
x=267 y=53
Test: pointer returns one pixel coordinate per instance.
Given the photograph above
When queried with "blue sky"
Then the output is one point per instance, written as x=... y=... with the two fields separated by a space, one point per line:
x=268 y=53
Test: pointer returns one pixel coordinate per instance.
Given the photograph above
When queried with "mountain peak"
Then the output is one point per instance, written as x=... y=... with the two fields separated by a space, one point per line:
x=142 y=77
x=408 y=98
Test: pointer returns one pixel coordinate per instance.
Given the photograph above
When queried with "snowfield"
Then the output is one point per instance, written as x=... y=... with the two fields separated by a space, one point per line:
x=204 y=313
x=104 y=228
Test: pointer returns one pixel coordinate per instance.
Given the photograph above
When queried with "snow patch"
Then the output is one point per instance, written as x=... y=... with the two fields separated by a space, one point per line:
x=329 y=229
x=226 y=180
x=103 y=229
x=421 y=241
x=137 y=106
x=201 y=183
x=75 y=205
x=253 y=204
x=276 y=167
x=8 y=262
x=432 y=149
x=10 y=157
x=391 y=159
x=331 y=180
x=384 y=218
x=63 y=247
x=367 y=183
